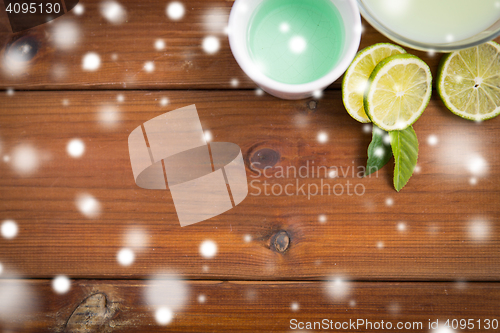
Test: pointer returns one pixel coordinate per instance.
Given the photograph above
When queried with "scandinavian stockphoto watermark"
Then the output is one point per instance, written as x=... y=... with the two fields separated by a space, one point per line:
x=308 y=180
x=205 y=178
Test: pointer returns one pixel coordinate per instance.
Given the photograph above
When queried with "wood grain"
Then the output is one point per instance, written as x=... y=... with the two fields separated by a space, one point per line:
x=438 y=234
x=121 y=306
x=444 y=225
x=33 y=60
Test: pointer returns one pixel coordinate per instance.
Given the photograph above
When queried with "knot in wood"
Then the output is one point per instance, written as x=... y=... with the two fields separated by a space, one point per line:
x=22 y=49
x=91 y=315
x=281 y=241
x=312 y=105
x=264 y=158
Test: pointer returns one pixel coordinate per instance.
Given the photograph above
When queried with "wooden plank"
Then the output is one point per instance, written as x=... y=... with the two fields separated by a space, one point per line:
x=125 y=48
x=217 y=306
x=444 y=225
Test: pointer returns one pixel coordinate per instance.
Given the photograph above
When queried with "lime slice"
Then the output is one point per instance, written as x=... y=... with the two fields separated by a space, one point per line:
x=356 y=77
x=469 y=82
x=399 y=90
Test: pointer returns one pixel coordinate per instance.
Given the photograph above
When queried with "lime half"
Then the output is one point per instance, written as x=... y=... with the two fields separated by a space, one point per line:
x=356 y=77
x=469 y=82
x=399 y=90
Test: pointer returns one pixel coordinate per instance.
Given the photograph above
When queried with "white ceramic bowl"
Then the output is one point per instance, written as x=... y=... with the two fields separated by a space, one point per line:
x=240 y=16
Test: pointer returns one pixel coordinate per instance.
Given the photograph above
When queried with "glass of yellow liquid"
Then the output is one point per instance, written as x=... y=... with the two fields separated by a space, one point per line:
x=434 y=25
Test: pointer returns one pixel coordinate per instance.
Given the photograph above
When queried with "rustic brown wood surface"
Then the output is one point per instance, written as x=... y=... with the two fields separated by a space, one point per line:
x=428 y=252
x=41 y=62
x=222 y=306
x=450 y=225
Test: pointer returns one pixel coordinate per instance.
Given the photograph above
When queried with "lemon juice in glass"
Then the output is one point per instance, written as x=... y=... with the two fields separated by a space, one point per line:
x=439 y=25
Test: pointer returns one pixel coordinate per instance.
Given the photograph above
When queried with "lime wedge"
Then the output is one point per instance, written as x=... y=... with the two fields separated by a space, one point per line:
x=469 y=82
x=399 y=90
x=356 y=77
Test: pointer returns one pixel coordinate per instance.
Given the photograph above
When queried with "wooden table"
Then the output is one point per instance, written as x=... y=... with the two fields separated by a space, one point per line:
x=430 y=252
